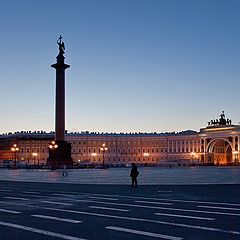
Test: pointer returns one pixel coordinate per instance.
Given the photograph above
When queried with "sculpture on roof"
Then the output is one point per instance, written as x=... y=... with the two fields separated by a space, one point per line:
x=222 y=116
x=221 y=121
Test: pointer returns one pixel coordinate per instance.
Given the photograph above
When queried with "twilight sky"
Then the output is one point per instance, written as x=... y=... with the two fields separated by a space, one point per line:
x=136 y=65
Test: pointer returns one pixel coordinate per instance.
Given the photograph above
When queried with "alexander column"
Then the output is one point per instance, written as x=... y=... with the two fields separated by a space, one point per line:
x=60 y=150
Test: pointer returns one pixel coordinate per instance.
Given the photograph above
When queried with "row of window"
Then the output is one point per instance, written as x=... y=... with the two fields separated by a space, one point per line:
x=122 y=143
x=137 y=159
x=33 y=150
x=117 y=150
x=134 y=150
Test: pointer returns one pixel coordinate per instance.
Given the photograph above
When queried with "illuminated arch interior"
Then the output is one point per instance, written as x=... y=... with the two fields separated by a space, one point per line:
x=220 y=151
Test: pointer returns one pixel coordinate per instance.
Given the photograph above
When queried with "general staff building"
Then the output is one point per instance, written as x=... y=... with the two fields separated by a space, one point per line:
x=216 y=144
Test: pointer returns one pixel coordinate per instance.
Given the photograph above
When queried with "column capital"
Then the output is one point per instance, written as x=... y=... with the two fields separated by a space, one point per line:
x=60 y=66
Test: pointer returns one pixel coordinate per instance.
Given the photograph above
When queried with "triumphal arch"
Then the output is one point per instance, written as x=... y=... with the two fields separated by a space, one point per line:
x=220 y=142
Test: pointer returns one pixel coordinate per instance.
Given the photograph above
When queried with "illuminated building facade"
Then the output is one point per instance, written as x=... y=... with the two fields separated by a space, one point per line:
x=217 y=144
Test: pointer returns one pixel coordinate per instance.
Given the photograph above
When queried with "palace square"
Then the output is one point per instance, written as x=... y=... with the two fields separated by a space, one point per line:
x=216 y=144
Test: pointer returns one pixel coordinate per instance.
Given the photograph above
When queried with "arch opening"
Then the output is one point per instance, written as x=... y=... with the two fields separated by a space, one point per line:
x=220 y=152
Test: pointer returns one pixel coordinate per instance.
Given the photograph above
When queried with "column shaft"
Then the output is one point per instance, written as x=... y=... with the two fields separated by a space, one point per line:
x=60 y=105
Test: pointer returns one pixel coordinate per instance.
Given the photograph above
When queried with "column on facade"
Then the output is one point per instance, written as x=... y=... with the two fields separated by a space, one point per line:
x=167 y=146
x=238 y=149
x=238 y=143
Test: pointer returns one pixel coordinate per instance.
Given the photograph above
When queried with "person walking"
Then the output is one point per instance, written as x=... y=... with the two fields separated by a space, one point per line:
x=64 y=170
x=134 y=174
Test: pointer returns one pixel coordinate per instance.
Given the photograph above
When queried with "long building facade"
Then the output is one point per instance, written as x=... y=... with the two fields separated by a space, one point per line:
x=216 y=144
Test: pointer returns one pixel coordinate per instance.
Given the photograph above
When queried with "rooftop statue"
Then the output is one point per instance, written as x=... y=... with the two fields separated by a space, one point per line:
x=221 y=121
x=222 y=116
x=61 y=45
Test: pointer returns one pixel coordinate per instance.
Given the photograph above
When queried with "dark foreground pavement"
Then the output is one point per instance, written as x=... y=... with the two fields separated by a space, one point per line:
x=72 y=211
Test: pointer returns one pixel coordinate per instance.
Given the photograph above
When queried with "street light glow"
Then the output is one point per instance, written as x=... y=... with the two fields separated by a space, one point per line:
x=103 y=149
x=15 y=149
x=53 y=145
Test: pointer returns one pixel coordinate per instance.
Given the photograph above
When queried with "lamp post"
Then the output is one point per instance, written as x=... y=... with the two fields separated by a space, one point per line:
x=235 y=154
x=193 y=155
x=15 y=149
x=34 y=155
x=146 y=157
x=103 y=149
x=93 y=158
x=53 y=146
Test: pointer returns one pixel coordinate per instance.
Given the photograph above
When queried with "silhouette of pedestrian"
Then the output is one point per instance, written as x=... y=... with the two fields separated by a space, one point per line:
x=134 y=174
x=64 y=170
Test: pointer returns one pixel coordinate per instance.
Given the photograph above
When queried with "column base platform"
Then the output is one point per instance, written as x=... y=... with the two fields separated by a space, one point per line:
x=60 y=156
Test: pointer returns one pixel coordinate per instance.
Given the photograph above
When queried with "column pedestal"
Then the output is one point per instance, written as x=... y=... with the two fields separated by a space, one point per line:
x=60 y=156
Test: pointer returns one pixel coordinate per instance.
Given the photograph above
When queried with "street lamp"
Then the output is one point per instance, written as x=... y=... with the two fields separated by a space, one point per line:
x=235 y=153
x=193 y=155
x=53 y=146
x=15 y=149
x=93 y=156
x=103 y=149
x=145 y=158
x=34 y=155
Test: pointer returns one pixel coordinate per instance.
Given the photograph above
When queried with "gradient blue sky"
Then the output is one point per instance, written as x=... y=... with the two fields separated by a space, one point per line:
x=136 y=65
